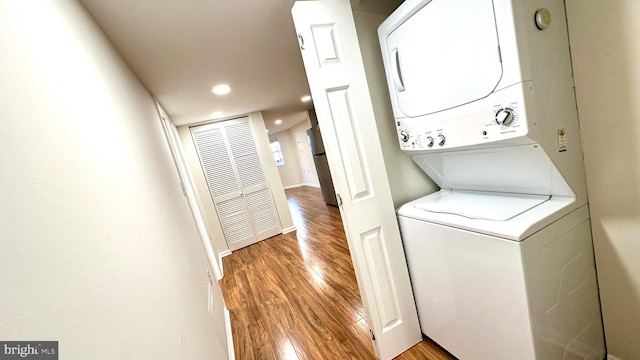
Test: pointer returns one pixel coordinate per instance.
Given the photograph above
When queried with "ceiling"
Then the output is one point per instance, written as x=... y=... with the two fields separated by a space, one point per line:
x=181 y=49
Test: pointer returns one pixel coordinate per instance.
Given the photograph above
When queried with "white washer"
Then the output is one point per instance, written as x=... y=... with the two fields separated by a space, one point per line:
x=482 y=295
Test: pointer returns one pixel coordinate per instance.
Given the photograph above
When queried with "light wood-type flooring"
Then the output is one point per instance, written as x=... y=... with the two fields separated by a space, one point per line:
x=294 y=296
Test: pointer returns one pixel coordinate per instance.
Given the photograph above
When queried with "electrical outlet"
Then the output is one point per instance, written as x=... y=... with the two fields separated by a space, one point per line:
x=210 y=300
x=210 y=295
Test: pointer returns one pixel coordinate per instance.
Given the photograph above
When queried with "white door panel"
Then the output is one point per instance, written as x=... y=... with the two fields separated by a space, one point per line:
x=335 y=71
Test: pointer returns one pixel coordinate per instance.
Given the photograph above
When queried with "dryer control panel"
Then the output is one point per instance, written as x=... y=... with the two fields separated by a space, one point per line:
x=500 y=117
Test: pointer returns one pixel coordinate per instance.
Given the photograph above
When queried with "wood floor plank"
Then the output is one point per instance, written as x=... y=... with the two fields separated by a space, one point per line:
x=425 y=350
x=305 y=343
x=262 y=349
x=295 y=296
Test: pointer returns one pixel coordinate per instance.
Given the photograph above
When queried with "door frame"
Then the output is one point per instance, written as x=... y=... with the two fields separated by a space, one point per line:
x=186 y=182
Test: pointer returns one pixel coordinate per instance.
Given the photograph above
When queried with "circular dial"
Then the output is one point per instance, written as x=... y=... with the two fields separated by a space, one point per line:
x=441 y=139
x=430 y=141
x=404 y=135
x=504 y=116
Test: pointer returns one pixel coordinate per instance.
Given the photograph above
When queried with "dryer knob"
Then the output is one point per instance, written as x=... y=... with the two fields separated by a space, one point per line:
x=430 y=141
x=441 y=139
x=404 y=135
x=504 y=116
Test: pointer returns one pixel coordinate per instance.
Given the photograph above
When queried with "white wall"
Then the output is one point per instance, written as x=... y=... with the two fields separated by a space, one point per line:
x=406 y=180
x=290 y=172
x=98 y=249
x=307 y=166
x=605 y=44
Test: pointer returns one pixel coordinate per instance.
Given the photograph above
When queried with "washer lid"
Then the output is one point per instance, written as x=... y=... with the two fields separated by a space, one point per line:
x=480 y=206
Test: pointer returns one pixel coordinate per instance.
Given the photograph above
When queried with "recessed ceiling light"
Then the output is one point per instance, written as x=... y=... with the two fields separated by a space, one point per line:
x=221 y=89
x=305 y=98
x=278 y=122
x=217 y=115
x=267 y=130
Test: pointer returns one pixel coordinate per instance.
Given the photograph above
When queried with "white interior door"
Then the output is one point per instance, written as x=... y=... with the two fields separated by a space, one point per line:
x=335 y=71
x=236 y=181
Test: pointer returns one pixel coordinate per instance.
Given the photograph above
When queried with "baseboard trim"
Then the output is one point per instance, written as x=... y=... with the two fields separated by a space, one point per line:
x=312 y=185
x=289 y=229
x=611 y=357
x=227 y=320
x=220 y=264
x=293 y=186
x=220 y=256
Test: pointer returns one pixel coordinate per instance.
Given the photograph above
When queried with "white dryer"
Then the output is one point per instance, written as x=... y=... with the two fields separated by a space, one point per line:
x=501 y=258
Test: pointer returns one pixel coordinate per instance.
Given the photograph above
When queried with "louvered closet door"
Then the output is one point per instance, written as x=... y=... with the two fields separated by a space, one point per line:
x=253 y=182
x=236 y=182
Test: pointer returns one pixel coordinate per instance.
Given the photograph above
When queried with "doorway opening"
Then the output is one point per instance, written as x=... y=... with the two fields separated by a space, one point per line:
x=295 y=295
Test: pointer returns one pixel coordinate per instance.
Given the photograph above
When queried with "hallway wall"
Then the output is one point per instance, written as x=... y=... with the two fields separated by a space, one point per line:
x=606 y=58
x=98 y=249
x=290 y=172
x=305 y=157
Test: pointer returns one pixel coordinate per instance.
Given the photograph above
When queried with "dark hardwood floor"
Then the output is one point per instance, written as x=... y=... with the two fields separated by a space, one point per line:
x=294 y=296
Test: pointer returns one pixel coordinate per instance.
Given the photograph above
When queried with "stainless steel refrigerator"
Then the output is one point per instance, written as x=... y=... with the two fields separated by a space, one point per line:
x=322 y=166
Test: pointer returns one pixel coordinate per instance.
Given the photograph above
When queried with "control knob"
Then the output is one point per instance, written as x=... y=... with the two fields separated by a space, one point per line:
x=404 y=135
x=504 y=116
x=441 y=139
x=430 y=141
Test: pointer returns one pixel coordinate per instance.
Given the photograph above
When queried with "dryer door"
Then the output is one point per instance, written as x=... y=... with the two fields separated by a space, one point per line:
x=445 y=55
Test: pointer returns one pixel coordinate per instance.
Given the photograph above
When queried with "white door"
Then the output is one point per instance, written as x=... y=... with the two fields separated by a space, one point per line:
x=335 y=71
x=236 y=181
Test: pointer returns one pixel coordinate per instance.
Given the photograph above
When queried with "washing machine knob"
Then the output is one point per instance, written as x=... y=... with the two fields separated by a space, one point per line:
x=404 y=135
x=504 y=116
x=430 y=141
x=441 y=139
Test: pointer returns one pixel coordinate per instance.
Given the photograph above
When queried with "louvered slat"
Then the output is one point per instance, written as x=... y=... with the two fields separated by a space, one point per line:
x=250 y=171
x=235 y=220
x=245 y=155
x=262 y=210
x=243 y=142
x=216 y=162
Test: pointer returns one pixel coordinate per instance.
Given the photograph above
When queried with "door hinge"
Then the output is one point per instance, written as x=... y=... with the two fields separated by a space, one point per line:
x=184 y=190
x=339 y=198
x=373 y=337
x=301 y=41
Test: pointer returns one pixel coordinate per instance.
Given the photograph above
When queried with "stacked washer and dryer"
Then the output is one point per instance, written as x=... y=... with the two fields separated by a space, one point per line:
x=501 y=258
